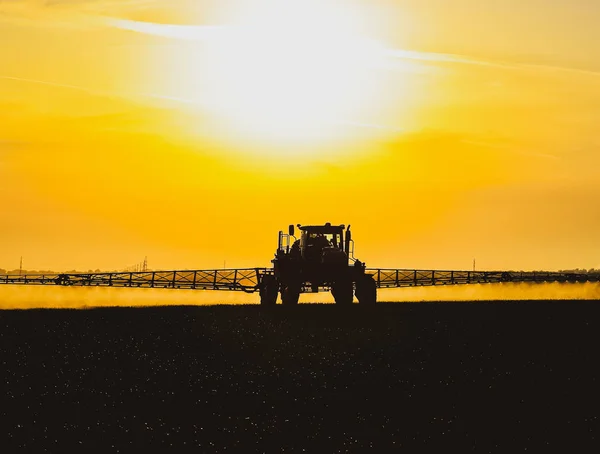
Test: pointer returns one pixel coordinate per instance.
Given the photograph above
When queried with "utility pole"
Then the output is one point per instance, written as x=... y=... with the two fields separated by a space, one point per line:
x=21 y=266
x=145 y=265
x=473 y=264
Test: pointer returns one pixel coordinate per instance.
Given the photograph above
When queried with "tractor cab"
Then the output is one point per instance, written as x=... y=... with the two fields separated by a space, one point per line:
x=317 y=243
x=319 y=240
x=327 y=243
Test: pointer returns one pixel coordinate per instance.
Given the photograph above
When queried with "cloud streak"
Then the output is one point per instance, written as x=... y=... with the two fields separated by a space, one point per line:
x=85 y=14
x=67 y=14
x=184 y=32
x=211 y=32
x=88 y=90
x=465 y=60
x=174 y=99
x=52 y=84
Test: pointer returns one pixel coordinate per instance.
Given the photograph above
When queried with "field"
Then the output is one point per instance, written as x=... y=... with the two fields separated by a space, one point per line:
x=457 y=377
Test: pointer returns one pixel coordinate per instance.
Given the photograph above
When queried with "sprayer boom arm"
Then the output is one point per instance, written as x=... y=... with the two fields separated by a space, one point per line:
x=249 y=279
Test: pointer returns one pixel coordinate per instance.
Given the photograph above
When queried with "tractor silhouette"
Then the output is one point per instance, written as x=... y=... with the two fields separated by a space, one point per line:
x=322 y=258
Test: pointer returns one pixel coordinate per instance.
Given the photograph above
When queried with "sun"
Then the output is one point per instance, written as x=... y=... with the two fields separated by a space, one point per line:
x=291 y=72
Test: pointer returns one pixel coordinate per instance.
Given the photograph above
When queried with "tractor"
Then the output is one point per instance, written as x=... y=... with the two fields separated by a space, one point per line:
x=322 y=258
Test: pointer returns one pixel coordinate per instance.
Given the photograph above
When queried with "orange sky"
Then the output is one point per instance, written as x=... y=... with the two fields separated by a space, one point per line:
x=191 y=132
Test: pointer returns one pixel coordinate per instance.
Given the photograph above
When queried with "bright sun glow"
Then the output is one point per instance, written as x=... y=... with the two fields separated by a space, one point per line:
x=290 y=71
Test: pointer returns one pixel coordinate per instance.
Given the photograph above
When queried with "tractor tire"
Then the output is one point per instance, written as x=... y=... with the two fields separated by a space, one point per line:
x=342 y=292
x=290 y=294
x=268 y=290
x=366 y=290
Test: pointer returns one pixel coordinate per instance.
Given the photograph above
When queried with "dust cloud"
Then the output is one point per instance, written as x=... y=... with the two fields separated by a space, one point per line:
x=58 y=297
x=490 y=292
x=30 y=297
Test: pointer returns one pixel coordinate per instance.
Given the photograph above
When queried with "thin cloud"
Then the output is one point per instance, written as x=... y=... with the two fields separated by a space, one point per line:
x=68 y=14
x=175 y=99
x=461 y=59
x=80 y=88
x=52 y=84
x=186 y=32
x=207 y=32
x=436 y=58
x=83 y=14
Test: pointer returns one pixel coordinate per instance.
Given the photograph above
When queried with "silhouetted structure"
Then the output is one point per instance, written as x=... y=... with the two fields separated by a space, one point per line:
x=319 y=260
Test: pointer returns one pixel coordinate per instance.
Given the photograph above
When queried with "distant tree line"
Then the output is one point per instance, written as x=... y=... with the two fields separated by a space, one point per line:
x=581 y=271
x=17 y=271
x=575 y=271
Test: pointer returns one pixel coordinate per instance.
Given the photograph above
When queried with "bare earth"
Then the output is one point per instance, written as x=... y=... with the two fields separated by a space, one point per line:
x=484 y=377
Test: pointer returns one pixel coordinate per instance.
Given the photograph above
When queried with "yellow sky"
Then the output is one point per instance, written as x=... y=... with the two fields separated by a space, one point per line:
x=441 y=133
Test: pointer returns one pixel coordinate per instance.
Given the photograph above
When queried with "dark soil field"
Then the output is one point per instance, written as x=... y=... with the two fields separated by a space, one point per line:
x=423 y=377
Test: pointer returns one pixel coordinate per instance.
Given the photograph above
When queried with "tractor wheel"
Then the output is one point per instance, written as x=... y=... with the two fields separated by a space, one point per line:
x=366 y=290
x=342 y=292
x=290 y=294
x=268 y=290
